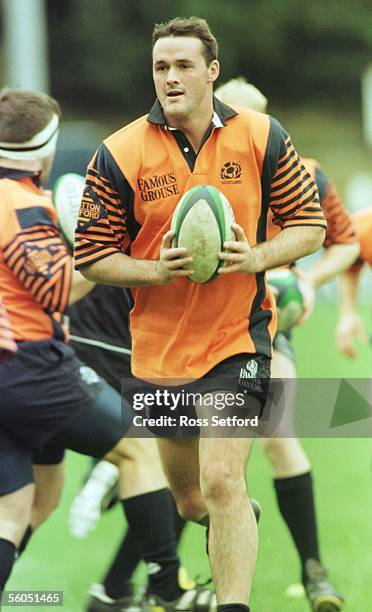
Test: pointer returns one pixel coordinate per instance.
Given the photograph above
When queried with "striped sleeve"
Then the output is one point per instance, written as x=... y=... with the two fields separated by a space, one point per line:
x=294 y=198
x=7 y=345
x=40 y=260
x=340 y=227
x=105 y=212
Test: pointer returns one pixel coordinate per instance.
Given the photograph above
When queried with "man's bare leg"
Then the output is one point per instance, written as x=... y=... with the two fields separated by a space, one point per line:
x=180 y=460
x=233 y=537
x=217 y=488
x=15 y=516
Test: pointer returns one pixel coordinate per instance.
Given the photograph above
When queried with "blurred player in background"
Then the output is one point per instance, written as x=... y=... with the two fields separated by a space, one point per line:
x=180 y=329
x=291 y=467
x=350 y=324
x=49 y=400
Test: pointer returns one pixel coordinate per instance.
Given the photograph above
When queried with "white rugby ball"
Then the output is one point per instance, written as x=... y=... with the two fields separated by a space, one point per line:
x=202 y=221
x=67 y=194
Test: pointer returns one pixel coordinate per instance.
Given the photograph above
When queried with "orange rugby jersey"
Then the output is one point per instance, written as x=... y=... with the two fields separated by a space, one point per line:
x=132 y=188
x=340 y=226
x=363 y=225
x=35 y=266
x=7 y=344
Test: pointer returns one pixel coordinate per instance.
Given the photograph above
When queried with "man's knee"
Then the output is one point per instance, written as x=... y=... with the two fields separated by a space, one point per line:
x=41 y=511
x=221 y=484
x=285 y=454
x=15 y=513
x=274 y=448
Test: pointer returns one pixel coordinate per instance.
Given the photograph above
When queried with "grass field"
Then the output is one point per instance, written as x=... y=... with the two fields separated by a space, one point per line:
x=56 y=561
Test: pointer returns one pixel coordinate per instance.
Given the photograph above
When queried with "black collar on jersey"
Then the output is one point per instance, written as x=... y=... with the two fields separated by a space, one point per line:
x=223 y=111
x=17 y=175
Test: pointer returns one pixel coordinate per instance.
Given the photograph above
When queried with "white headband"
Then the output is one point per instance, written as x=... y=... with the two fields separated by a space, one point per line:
x=40 y=145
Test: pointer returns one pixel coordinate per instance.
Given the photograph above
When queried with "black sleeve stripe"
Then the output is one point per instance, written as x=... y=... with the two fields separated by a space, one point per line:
x=293 y=209
x=288 y=192
x=286 y=158
x=94 y=248
x=306 y=189
x=101 y=254
x=311 y=208
x=301 y=217
x=276 y=187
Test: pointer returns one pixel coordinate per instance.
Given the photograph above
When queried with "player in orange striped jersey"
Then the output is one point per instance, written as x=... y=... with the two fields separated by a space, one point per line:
x=220 y=330
x=350 y=324
x=49 y=399
x=291 y=467
x=7 y=344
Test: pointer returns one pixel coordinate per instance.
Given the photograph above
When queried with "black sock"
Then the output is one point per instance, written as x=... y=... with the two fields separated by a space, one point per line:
x=24 y=541
x=150 y=516
x=117 y=581
x=234 y=607
x=296 y=502
x=7 y=558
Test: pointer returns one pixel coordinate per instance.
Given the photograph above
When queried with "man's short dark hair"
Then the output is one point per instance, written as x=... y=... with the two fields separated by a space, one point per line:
x=189 y=26
x=24 y=113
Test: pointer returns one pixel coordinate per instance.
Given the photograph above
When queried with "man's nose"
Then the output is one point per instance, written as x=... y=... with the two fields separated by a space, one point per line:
x=172 y=76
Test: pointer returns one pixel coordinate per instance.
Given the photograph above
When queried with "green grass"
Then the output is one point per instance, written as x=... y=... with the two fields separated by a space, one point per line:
x=56 y=561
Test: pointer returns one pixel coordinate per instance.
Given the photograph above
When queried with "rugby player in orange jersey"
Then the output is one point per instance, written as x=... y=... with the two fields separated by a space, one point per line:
x=350 y=324
x=49 y=400
x=291 y=467
x=180 y=329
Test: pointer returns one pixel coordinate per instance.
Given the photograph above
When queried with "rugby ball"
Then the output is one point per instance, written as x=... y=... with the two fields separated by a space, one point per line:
x=67 y=194
x=202 y=223
x=289 y=297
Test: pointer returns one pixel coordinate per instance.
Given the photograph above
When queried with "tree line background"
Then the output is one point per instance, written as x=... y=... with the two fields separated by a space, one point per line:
x=297 y=52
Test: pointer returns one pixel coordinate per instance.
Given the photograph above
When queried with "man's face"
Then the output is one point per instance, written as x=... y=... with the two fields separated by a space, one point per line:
x=183 y=81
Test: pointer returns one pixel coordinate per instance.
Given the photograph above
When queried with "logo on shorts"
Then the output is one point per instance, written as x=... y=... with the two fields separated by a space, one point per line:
x=231 y=172
x=250 y=370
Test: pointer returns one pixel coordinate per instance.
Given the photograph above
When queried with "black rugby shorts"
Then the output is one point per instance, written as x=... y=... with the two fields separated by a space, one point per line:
x=50 y=401
x=244 y=374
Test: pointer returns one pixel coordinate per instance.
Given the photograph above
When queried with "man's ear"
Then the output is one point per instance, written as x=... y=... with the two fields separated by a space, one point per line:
x=213 y=71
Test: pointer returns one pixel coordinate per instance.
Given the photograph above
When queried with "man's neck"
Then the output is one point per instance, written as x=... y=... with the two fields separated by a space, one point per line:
x=195 y=127
x=195 y=135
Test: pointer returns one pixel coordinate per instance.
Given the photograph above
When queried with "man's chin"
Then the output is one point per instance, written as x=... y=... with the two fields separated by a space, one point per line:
x=175 y=112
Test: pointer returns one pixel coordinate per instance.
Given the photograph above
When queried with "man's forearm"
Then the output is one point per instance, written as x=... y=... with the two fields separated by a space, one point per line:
x=349 y=283
x=121 y=270
x=335 y=259
x=290 y=244
x=80 y=287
